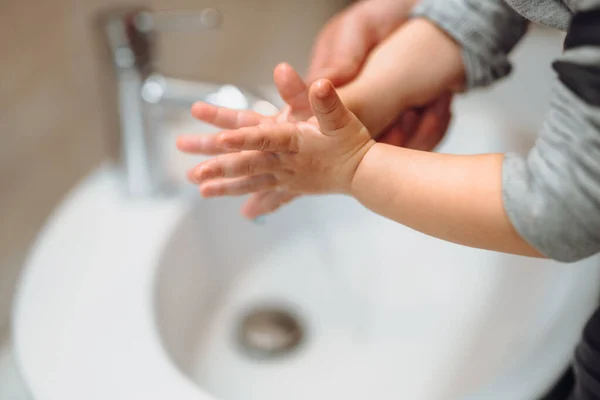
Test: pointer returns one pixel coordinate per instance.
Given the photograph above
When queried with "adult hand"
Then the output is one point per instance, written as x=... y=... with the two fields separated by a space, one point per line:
x=341 y=50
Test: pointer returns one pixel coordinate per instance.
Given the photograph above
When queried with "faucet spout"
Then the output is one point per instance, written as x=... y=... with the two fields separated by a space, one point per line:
x=132 y=53
x=145 y=96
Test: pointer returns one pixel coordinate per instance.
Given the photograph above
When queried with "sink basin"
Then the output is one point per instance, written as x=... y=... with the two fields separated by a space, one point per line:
x=386 y=310
x=150 y=298
x=128 y=298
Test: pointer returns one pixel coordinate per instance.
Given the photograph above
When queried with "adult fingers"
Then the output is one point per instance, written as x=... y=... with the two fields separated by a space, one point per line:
x=400 y=130
x=340 y=49
x=433 y=125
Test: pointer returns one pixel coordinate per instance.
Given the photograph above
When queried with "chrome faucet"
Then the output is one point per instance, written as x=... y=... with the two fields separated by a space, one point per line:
x=143 y=93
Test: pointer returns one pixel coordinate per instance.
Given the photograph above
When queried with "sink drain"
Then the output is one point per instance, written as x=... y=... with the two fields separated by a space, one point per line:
x=270 y=332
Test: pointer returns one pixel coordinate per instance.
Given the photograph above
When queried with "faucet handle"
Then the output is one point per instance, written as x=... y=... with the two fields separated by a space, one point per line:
x=163 y=21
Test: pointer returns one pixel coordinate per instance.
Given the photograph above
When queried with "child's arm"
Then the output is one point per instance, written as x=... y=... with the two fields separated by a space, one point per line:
x=451 y=197
x=551 y=198
x=461 y=200
x=467 y=47
x=456 y=198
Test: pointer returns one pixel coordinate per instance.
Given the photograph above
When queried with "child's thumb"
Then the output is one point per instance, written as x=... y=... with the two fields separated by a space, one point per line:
x=331 y=113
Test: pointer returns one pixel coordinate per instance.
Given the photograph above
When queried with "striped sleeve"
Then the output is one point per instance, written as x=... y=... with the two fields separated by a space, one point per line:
x=552 y=196
x=487 y=31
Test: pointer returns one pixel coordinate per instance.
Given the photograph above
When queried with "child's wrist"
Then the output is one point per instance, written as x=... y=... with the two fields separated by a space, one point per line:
x=357 y=182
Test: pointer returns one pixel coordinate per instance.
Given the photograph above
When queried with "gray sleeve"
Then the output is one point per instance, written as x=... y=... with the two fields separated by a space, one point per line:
x=552 y=196
x=487 y=30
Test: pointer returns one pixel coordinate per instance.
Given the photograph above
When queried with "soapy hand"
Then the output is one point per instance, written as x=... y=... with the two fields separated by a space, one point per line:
x=293 y=91
x=319 y=155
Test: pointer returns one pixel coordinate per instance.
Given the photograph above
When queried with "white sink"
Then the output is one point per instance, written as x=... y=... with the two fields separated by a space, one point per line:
x=140 y=299
x=127 y=299
x=388 y=311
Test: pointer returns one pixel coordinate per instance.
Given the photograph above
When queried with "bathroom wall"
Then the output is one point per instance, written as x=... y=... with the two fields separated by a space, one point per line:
x=56 y=112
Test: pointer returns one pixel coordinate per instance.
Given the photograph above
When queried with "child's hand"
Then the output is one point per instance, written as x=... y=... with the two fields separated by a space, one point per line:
x=320 y=155
x=294 y=92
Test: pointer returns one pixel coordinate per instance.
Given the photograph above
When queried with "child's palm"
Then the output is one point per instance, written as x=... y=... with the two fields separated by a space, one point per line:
x=320 y=155
x=294 y=92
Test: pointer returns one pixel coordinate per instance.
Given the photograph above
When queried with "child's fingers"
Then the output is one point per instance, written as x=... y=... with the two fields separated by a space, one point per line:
x=200 y=144
x=246 y=163
x=266 y=202
x=226 y=118
x=292 y=90
x=331 y=113
x=264 y=137
x=237 y=186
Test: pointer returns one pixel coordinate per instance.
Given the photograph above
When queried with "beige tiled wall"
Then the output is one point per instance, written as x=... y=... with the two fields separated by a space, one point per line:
x=56 y=114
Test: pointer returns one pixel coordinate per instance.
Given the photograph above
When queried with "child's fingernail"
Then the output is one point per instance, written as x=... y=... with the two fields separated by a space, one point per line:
x=260 y=220
x=323 y=88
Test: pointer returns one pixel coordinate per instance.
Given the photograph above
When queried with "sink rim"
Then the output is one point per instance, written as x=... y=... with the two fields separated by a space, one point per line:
x=34 y=351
